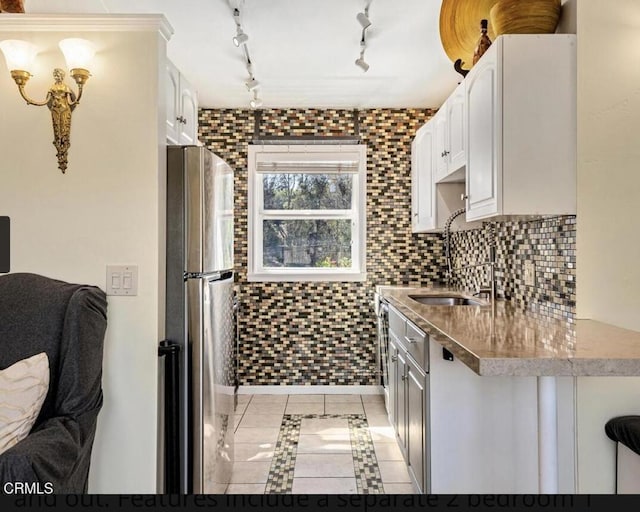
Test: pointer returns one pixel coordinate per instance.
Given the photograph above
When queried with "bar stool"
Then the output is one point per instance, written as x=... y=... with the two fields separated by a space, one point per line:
x=625 y=431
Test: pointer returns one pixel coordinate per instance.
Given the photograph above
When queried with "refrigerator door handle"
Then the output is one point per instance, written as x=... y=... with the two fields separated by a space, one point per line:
x=170 y=352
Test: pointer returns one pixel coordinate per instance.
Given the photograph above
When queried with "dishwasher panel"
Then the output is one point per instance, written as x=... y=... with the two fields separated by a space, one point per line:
x=382 y=312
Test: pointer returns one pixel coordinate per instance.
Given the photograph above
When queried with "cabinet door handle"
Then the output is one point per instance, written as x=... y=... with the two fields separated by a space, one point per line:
x=394 y=359
x=464 y=197
x=445 y=153
x=413 y=341
x=403 y=377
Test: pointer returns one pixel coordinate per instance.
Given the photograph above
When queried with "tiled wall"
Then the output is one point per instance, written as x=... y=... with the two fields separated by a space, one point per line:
x=325 y=333
x=549 y=243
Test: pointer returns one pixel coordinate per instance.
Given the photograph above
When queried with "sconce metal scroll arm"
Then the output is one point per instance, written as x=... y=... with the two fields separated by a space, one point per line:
x=61 y=101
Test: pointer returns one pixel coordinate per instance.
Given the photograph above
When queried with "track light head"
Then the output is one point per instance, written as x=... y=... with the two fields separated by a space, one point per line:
x=240 y=38
x=362 y=64
x=255 y=102
x=363 y=19
x=252 y=84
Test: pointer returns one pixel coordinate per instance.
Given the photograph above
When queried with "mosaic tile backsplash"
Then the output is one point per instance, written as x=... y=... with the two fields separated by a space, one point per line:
x=325 y=333
x=549 y=243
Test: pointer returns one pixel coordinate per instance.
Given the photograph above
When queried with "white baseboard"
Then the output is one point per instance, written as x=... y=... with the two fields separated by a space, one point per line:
x=310 y=390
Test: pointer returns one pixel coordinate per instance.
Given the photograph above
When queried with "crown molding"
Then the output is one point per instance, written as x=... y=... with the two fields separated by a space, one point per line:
x=86 y=23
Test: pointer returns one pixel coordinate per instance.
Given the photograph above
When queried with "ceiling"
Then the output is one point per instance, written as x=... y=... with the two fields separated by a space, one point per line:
x=303 y=51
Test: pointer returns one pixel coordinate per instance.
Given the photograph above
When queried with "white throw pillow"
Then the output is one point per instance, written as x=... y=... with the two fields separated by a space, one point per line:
x=23 y=388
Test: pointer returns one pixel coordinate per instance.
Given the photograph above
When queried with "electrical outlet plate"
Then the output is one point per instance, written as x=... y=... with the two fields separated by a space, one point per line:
x=529 y=273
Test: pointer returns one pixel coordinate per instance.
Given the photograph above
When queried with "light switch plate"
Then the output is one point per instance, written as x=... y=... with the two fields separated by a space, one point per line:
x=122 y=280
x=529 y=273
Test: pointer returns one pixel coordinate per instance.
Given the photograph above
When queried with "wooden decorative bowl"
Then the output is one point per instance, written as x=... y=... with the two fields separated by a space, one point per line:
x=525 y=17
x=460 y=27
x=11 y=5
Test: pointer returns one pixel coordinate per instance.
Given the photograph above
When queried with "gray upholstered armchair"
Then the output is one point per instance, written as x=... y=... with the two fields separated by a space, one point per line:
x=68 y=322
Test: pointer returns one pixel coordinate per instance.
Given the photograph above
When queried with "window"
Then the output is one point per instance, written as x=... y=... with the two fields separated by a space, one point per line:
x=307 y=212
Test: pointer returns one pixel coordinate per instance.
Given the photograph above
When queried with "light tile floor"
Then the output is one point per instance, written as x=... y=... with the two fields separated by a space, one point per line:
x=318 y=458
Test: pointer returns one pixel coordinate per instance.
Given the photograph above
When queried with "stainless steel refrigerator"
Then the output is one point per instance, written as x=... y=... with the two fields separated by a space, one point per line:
x=200 y=313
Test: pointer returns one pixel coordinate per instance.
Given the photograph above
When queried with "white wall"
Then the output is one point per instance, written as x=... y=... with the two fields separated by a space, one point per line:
x=608 y=238
x=105 y=210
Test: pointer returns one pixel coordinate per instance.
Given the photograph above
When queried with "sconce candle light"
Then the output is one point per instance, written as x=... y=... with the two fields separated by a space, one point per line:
x=60 y=99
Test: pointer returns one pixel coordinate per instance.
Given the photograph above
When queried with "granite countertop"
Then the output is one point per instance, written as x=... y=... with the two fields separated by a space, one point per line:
x=518 y=342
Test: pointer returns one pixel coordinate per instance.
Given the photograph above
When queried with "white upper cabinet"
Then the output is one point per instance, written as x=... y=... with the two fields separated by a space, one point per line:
x=484 y=114
x=521 y=128
x=457 y=151
x=441 y=150
x=450 y=153
x=189 y=105
x=431 y=202
x=422 y=185
x=173 y=102
x=182 y=108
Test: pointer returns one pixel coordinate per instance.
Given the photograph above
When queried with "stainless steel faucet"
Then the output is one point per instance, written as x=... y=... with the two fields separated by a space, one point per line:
x=491 y=288
x=447 y=242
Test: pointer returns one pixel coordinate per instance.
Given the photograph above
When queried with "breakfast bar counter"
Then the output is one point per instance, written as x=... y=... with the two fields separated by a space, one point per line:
x=517 y=342
x=507 y=341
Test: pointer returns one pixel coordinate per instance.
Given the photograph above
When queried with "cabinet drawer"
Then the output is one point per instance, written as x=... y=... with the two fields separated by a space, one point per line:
x=396 y=323
x=416 y=343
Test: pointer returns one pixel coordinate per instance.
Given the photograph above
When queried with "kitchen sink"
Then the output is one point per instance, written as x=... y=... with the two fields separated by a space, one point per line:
x=446 y=300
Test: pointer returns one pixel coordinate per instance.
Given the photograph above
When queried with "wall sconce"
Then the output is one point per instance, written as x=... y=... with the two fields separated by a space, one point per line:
x=60 y=99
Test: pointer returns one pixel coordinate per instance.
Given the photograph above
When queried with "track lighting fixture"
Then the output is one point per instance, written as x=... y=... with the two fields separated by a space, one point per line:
x=255 y=102
x=252 y=84
x=240 y=38
x=365 y=22
x=362 y=64
x=364 y=19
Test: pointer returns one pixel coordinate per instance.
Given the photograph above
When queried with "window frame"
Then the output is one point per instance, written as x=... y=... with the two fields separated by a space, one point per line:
x=256 y=272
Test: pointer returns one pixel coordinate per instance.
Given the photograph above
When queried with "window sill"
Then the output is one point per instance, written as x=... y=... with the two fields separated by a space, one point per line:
x=295 y=277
